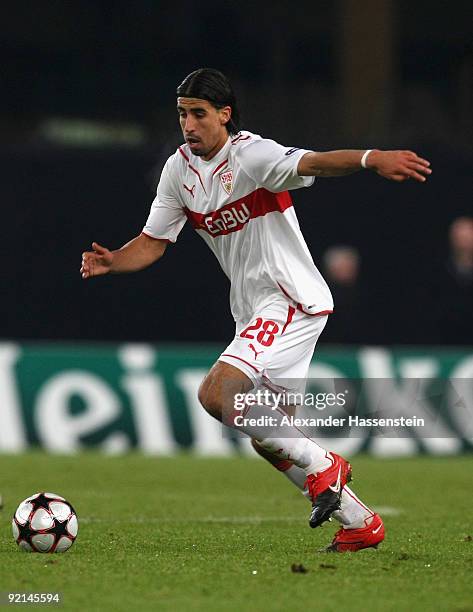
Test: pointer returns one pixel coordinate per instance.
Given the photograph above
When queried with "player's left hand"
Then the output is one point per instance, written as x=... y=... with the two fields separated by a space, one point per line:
x=399 y=165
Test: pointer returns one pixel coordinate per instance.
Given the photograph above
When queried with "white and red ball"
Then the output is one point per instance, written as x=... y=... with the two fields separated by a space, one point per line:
x=45 y=523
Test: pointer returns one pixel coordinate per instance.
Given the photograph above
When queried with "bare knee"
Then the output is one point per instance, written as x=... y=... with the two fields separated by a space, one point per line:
x=210 y=398
x=218 y=388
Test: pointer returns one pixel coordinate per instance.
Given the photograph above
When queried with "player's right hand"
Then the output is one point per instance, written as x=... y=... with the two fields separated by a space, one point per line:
x=96 y=262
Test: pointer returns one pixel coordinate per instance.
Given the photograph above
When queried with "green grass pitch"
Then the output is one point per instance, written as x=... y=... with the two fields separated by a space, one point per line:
x=190 y=533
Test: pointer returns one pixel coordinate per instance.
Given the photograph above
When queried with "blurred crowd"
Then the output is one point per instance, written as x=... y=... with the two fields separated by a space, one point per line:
x=443 y=303
x=451 y=289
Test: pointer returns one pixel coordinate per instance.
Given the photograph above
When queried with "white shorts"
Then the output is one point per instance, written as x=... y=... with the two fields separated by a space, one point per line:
x=276 y=346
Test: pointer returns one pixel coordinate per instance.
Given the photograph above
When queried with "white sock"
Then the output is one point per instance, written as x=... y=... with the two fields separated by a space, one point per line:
x=297 y=476
x=283 y=440
x=353 y=514
x=303 y=452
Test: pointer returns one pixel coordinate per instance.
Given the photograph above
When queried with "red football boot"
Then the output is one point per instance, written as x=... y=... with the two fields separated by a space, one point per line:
x=346 y=540
x=325 y=489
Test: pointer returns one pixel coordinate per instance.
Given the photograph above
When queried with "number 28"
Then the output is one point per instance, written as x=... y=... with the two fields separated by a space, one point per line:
x=265 y=337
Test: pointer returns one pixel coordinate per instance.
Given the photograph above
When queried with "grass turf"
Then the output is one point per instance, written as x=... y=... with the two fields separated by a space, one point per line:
x=190 y=533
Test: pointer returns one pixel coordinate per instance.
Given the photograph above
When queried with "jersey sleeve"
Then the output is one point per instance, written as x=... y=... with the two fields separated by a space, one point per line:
x=166 y=217
x=272 y=165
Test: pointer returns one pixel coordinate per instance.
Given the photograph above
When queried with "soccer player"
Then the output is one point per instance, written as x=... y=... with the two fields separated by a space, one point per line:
x=233 y=187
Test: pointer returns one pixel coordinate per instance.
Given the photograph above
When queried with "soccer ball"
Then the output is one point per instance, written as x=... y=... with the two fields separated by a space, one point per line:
x=45 y=523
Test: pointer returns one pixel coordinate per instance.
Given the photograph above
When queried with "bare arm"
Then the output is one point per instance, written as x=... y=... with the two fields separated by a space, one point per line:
x=137 y=254
x=394 y=165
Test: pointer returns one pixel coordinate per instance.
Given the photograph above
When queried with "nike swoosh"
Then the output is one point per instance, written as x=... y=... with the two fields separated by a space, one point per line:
x=336 y=488
x=375 y=531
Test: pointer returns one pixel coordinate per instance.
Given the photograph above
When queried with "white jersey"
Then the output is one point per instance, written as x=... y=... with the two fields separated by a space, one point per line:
x=239 y=203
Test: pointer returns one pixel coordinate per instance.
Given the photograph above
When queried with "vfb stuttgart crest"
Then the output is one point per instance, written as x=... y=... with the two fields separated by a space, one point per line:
x=226 y=178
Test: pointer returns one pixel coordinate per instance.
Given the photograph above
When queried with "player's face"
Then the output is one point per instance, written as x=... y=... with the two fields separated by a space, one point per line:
x=203 y=125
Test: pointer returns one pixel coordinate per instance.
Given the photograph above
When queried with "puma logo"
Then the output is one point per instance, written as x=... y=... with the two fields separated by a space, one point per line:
x=191 y=190
x=255 y=351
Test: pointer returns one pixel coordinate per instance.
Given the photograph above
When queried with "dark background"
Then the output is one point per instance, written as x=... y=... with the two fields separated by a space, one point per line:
x=319 y=75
